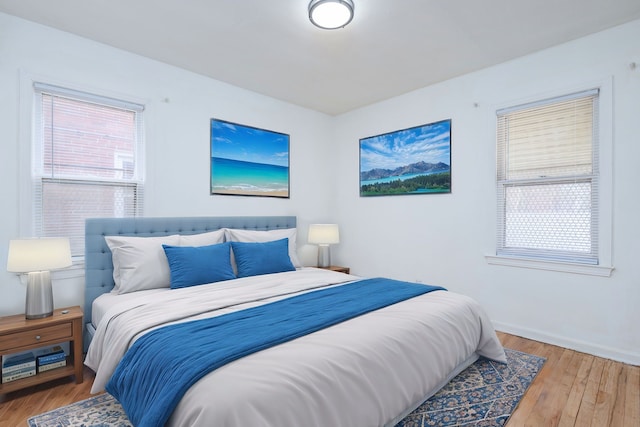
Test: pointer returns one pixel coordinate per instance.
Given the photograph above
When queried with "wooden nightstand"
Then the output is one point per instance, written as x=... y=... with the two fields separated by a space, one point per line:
x=18 y=334
x=337 y=268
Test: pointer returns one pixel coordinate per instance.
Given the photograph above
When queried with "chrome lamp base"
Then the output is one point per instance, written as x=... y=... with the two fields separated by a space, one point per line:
x=39 y=301
x=324 y=256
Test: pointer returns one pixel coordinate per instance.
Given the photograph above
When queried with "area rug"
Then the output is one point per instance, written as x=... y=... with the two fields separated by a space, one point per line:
x=484 y=394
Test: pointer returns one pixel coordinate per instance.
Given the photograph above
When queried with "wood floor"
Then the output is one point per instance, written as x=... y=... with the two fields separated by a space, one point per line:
x=572 y=389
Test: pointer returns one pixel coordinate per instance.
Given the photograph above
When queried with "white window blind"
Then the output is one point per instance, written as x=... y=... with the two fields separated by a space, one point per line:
x=86 y=163
x=547 y=179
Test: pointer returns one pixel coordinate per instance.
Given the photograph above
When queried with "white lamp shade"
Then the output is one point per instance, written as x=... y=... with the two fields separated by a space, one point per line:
x=324 y=234
x=27 y=255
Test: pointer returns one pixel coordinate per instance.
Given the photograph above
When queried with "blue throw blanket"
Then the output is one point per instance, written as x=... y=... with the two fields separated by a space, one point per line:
x=161 y=365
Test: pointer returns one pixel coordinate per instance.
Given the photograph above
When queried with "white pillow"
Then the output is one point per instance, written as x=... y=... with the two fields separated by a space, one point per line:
x=202 y=239
x=238 y=235
x=140 y=262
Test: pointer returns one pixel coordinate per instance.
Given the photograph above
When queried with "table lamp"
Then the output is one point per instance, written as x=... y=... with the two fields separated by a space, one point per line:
x=324 y=235
x=36 y=257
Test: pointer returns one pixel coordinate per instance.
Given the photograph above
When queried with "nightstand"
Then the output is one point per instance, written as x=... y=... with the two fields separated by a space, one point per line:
x=337 y=268
x=18 y=334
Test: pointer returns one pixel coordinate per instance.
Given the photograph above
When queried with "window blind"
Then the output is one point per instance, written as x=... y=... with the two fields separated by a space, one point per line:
x=87 y=161
x=547 y=179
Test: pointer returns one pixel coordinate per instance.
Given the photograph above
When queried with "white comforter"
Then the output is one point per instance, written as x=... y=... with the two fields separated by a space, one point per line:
x=368 y=371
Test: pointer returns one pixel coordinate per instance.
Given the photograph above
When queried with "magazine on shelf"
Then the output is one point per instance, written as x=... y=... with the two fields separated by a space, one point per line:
x=52 y=365
x=18 y=362
x=16 y=375
x=49 y=355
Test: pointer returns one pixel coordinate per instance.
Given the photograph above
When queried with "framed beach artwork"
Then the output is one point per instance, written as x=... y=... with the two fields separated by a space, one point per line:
x=409 y=161
x=248 y=161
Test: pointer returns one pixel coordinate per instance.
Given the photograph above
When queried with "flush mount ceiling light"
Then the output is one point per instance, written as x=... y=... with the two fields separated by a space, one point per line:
x=330 y=14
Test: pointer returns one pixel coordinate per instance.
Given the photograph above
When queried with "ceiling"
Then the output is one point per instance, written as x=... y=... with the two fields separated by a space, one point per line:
x=270 y=47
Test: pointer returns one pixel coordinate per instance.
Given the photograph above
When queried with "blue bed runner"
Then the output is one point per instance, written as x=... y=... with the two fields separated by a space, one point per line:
x=162 y=364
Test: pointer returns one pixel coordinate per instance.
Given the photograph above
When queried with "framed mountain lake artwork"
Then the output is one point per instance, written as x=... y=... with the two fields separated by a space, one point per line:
x=248 y=161
x=409 y=161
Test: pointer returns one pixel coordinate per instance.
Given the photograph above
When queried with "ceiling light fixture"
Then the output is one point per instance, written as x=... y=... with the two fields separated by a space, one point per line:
x=330 y=14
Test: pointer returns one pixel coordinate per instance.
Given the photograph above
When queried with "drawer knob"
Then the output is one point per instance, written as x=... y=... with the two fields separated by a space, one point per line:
x=37 y=337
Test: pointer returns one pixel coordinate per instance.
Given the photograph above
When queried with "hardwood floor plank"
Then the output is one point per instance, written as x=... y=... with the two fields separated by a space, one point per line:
x=551 y=404
x=620 y=399
x=555 y=392
x=570 y=411
x=632 y=402
x=590 y=396
x=607 y=394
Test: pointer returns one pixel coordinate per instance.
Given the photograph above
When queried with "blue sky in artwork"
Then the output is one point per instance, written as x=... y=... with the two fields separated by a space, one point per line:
x=430 y=143
x=238 y=142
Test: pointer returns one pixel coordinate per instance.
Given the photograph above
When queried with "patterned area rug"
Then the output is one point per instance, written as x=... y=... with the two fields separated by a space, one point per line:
x=484 y=394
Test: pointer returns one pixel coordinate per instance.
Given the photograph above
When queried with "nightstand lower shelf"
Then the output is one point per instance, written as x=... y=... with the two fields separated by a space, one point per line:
x=39 y=378
x=18 y=335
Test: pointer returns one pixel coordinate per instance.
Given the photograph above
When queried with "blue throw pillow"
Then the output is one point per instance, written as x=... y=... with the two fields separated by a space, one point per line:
x=192 y=266
x=254 y=258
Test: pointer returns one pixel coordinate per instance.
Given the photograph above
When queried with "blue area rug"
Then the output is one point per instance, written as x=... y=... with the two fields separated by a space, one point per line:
x=484 y=394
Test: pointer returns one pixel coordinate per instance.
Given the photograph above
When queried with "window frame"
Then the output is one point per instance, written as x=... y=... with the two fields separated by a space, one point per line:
x=29 y=149
x=605 y=183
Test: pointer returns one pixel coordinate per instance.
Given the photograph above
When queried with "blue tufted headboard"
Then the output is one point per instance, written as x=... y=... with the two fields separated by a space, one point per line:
x=98 y=263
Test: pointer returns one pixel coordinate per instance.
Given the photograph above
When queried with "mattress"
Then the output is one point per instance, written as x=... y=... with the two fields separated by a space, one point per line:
x=366 y=371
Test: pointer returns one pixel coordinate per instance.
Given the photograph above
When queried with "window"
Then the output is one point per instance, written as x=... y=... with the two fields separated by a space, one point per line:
x=547 y=179
x=86 y=162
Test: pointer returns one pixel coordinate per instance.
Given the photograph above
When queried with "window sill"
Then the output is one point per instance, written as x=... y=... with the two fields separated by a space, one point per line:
x=591 y=270
x=74 y=271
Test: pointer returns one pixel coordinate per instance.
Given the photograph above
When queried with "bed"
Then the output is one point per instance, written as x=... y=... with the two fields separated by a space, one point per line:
x=370 y=369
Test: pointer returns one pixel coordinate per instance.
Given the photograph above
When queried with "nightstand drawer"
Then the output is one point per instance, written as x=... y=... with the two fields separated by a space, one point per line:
x=35 y=336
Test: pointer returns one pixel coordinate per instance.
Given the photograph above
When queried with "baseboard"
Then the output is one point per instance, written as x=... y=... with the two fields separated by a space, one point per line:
x=577 y=345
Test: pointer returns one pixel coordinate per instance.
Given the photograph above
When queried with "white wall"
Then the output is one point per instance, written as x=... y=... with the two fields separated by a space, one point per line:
x=180 y=105
x=443 y=239
x=438 y=239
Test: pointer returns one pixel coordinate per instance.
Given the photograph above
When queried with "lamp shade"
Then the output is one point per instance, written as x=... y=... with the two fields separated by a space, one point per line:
x=27 y=255
x=324 y=234
x=330 y=14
